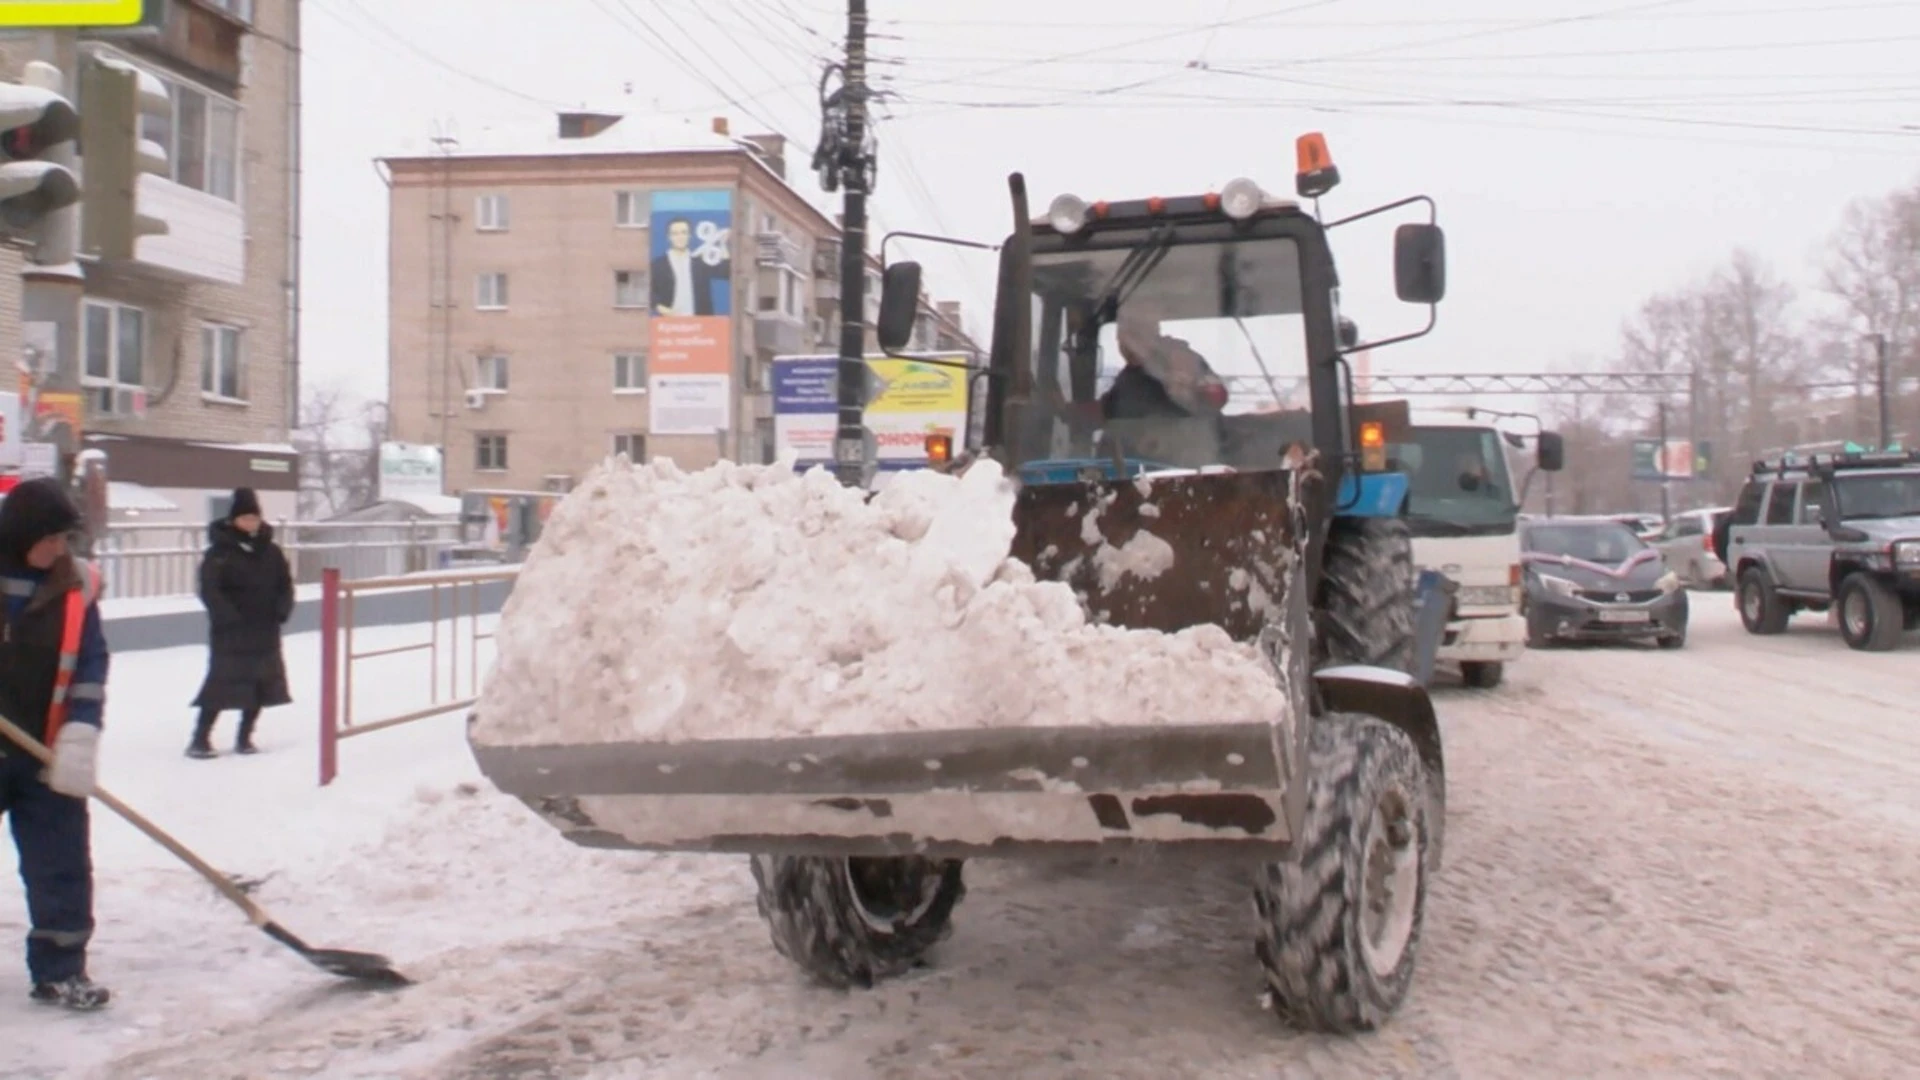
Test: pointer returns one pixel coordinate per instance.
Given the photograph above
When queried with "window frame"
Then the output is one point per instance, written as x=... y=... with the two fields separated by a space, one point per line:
x=492 y=212
x=212 y=335
x=113 y=381
x=639 y=283
x=632 y=199
x=638 y=382
x=492 y=372
x=480 y=455
x=222 y=130
x=632 y=438
x=505 y=292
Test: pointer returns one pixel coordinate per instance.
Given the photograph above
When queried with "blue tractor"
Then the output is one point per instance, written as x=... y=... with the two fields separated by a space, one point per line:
x=1284 y=527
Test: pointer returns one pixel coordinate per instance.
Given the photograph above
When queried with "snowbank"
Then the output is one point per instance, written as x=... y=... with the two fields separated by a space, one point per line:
x=751 y=602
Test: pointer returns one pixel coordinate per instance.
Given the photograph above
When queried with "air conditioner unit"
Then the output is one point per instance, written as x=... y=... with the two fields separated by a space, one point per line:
x=476 y=399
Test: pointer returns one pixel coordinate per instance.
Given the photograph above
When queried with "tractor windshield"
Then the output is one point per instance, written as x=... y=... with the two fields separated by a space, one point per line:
x=1168 y=350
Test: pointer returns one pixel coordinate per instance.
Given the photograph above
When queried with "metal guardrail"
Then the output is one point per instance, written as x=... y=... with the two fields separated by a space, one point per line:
x=338 y=656
x=139 y=560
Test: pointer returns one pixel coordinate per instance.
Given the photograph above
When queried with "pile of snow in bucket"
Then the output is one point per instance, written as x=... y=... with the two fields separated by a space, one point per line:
x=754 y=602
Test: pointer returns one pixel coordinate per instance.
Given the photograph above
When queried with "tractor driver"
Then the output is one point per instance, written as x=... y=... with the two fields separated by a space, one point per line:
x=1164 y=378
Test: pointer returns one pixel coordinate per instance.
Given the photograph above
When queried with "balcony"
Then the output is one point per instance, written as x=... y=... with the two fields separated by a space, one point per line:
x=780 y=333
x=206 y=237
x=775 y=250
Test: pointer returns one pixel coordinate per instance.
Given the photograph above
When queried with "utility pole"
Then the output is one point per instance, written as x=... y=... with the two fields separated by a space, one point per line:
x=1666 y=471
x=846 y=159
x=1883 y=379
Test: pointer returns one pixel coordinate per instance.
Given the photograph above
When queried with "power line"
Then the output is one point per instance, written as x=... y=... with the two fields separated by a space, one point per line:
x=1151 y=39
x=392 y=35
x=1398 y=24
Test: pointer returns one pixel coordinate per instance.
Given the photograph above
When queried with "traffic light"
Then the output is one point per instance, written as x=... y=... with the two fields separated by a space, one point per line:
x=37 y=128
x=113 y=155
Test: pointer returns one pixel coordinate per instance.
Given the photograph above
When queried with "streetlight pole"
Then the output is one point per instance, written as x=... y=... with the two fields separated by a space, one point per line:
x=1882 y=379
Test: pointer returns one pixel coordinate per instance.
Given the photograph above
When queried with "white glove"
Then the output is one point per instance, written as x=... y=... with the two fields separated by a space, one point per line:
x=76 y=755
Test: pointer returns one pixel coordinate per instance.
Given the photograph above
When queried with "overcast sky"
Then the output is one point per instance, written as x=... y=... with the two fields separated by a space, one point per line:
x=1584 y=153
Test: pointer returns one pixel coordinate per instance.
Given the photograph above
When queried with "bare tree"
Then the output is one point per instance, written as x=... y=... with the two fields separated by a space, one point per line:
x=339 y=442
x=1873 y=270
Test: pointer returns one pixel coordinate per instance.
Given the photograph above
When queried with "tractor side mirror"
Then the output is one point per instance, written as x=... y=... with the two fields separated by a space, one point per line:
x=1553 y=451
x=899 y=305
x=1420 y=263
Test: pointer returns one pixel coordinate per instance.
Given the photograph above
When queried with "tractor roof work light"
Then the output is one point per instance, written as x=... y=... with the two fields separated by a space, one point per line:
x=1241 y=199
x=1067 y=214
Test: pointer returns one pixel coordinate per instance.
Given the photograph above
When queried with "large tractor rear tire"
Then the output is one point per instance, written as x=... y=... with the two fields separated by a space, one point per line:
x=1365 y=610
x=1339 y=923
x=850 y=921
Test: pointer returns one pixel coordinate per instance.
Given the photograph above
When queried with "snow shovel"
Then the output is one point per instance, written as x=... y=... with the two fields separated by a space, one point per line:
x=366 y=967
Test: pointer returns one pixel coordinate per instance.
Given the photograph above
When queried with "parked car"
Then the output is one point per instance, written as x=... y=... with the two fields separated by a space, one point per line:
x=1593 y=579
x=1836 y=530
x=1644 y=526
x=1687 y=543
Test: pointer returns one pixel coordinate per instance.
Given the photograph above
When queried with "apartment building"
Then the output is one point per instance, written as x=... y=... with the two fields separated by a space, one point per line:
x=181 y=362
x=608 y=285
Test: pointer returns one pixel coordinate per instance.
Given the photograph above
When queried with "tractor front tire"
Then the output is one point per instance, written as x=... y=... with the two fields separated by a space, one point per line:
x=1340 y=920
x=850 y=921
x=1365 y=612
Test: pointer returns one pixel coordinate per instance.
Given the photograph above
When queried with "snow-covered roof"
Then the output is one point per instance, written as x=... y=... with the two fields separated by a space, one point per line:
x=122 y=495
x=628 y=135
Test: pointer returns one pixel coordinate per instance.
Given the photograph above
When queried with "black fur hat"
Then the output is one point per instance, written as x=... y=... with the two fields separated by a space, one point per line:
x=34 y=510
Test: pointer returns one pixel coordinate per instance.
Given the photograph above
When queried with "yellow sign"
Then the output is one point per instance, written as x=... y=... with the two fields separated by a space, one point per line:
x=16 y=13
x=914 y=386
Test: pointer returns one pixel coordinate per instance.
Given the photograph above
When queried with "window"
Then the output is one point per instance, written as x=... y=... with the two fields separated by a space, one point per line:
x=239 y=9
x=1686 y=526
x=630 y=288
x=490 y=373
x=490 y=453
x=632 y=444
x=1811 y=495
x=629 y=371
x=490 y=292
x=490 y=213
x=115 y=347
x=1780 y=504
x=630 y=209
x=200 y=132
x=221 y=372
x=1746 y=510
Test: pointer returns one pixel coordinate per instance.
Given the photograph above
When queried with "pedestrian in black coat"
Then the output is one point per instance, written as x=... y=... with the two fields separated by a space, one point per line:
x=247 y=588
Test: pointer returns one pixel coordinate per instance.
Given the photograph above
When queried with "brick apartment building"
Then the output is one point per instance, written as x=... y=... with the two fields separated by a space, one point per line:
x=186 y=354
x=538 y=319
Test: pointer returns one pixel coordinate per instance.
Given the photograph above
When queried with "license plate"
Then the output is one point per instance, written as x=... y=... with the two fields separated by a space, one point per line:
x=1623 y=616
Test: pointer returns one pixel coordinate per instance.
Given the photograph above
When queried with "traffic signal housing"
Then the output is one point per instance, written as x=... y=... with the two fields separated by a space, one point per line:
x=112 y=97
x=37 y=128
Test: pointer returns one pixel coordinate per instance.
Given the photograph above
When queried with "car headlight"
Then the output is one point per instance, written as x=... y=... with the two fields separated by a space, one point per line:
x=1559 y=585
x=1907 y=551
x=1669 y=582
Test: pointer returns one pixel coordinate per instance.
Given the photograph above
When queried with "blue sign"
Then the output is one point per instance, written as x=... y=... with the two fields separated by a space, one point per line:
x=806 y=386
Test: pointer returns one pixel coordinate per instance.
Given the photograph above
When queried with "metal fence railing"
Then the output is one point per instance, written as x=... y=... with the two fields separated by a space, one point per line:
x=164 y=560
x=452 y=667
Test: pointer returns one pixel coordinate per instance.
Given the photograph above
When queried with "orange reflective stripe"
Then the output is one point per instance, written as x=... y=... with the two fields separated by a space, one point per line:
x=75 y=624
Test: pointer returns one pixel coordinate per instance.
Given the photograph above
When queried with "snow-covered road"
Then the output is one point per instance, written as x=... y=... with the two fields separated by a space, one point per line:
x=1700 y=863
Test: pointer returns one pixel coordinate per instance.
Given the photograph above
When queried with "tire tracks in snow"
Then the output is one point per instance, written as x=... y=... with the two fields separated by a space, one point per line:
x=1651 y=871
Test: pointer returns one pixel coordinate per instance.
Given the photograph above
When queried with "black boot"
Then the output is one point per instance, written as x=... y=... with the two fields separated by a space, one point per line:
x=202 y=744
x=243 y=743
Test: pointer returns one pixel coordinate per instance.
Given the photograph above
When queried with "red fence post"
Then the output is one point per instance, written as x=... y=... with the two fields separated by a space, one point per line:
x=329 y=674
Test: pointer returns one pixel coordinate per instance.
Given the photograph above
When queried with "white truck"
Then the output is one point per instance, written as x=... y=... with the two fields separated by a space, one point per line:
x=1463 y=505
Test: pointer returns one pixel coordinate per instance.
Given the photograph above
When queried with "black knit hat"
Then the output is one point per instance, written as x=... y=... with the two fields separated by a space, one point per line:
x=34 y=510
x=244 y=502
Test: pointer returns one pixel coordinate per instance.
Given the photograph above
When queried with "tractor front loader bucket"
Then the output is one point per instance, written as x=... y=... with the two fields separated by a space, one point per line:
x=1164 y=554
